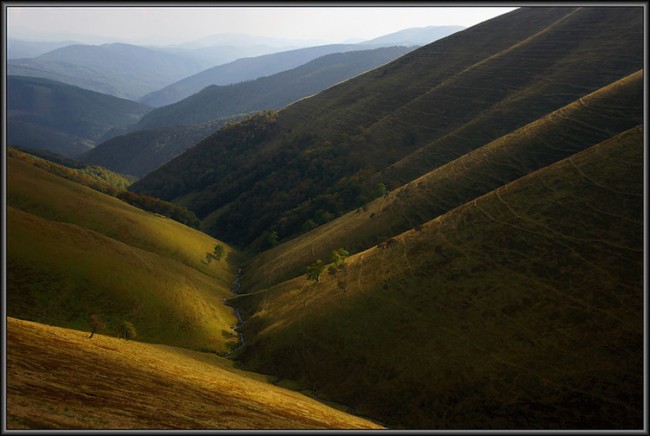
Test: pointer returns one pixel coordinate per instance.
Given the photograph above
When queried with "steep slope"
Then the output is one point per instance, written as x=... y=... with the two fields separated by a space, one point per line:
x=121 y=70
x=55 y=383
x=577 y=126
x=271 y=92
x=483 y=82
x=521 y=309
x=73 y=251
x=142 y=151
x=35 y=105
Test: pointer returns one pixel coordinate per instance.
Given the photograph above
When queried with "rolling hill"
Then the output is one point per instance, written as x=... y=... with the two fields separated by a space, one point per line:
x=271 y=92
x=577 y=126
x=488 y=188
x=62 y=118
x=520 y=309
x=326 y=155
x=144 y=268
x=122 y=70
x=56 y=384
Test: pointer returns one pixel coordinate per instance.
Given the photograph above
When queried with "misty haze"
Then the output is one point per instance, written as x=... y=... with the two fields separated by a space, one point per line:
x=335 y=218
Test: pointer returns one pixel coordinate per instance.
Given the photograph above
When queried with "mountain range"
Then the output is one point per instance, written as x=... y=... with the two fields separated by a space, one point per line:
x=260 y=66
x=62 y=118
x=453 y=240
x=168 y=131
x=122 y=70
x=393 y=124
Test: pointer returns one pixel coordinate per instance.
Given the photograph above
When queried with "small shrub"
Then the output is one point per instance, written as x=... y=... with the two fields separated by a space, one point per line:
x=127 y=330
x=314 y=270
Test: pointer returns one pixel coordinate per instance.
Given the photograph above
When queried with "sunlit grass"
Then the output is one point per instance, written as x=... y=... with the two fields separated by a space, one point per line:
x=60 y=379
x=585 y=122
x=73 y=251
x=520 y=309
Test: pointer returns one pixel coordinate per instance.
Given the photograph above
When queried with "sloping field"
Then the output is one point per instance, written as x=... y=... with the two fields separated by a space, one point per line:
x=59 y=379
x=61 y=273
x=323 y=156
x=73 y=252
x=575 y=127
x=41 y=193
x=522 y=309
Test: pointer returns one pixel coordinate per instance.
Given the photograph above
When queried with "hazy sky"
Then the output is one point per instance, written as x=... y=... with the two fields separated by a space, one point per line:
x=176 y=24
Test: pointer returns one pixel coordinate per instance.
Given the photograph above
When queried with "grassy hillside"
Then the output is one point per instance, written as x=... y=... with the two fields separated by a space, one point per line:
x=41 y=104
x=73 y=251
x=575 y=127
x=96 y=177
x=56 y=384
x=326 y=155
x=521 y=309
x=270 y=92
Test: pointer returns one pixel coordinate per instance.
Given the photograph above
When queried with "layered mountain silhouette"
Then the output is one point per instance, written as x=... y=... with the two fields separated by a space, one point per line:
x=251 y=68
x=323 y=156
x=170 y=130
x=62 y=118
x=451 y=241
x=19 y=49
x=122 y=70
x=271 y=92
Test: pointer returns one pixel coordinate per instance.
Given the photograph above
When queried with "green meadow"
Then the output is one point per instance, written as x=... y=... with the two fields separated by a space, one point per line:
x=74 y=251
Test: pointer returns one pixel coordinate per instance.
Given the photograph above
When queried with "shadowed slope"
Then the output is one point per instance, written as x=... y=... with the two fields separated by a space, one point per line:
x=270 y=92
x=520 y=309
x=326 y=153
x=60 y=380
x=575 y=127
x=40 y=109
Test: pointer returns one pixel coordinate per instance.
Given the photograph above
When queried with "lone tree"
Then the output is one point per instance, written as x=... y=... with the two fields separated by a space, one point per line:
x=314 y=270
x=216 y=254
x=338 y=257
x=126 y=330
x=96 y=324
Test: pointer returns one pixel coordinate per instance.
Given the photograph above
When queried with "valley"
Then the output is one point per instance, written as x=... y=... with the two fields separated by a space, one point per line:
x=441 y=229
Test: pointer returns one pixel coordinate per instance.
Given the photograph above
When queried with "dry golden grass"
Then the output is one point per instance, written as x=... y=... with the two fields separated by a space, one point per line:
x=522 y=309
x=73 y=251
x=577 y=126
x=59 y=379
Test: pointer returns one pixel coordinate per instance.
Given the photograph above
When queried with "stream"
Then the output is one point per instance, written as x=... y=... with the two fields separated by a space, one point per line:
x=235 y=288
